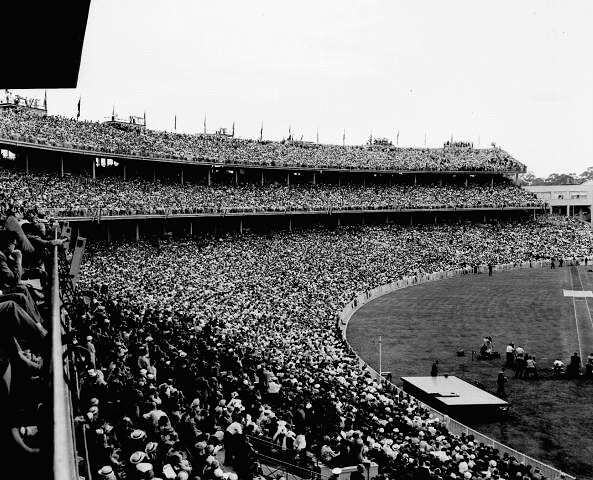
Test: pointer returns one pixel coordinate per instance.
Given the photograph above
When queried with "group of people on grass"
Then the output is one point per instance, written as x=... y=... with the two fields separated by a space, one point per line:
x=574 y=368
x=522 y=362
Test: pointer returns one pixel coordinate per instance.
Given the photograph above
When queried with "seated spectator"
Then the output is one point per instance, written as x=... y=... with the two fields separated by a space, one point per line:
x=11 y=270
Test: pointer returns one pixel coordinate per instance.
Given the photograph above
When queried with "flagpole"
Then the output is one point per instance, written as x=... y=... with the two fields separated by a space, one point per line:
x=380 y=357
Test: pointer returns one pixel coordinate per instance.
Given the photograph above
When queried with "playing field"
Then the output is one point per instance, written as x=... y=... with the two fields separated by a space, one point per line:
x=550 y=419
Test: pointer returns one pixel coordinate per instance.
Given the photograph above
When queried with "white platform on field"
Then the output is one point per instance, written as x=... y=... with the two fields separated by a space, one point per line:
x=453 y=391
x=578 y=293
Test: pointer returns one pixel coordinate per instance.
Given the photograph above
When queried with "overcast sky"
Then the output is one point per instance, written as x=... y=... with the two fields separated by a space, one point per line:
x=519 y=73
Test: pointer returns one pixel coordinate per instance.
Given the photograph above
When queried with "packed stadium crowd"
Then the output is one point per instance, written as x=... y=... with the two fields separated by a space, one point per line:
x=194 y=347
x=74 y=195
x=101 y=137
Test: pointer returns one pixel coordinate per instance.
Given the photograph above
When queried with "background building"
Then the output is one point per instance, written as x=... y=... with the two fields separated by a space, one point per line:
x=571 y=200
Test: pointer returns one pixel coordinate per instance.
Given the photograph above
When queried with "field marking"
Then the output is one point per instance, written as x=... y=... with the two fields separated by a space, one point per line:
x=578 y=293
x=576 y=320
x=586 y=301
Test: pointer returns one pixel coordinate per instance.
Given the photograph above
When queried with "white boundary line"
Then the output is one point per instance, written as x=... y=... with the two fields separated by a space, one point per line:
x=586 y=301
x=574 y=306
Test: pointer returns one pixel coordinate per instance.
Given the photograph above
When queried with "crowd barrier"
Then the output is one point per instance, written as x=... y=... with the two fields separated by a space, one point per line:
x=64 y=457
x=271 y=454
x=452 y=425
x=98 y=214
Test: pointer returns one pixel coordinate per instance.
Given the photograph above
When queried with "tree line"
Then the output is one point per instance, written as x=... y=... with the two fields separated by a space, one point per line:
x=529 y=178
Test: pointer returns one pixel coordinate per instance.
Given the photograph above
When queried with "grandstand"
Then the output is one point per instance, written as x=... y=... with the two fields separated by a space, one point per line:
x=216 y=352
x=93 y=139
x=91 y=172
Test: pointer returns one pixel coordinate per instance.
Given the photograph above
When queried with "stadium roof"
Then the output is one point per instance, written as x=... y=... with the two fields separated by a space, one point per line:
x=44 y=43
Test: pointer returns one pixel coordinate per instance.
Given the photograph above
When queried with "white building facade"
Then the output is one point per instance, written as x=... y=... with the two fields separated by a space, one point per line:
x=571 y=200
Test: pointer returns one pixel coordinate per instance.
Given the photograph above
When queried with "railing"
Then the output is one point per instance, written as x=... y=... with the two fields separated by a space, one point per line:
x=268 y=452
x=452 y=425
x=98 y=214
x=63 y=444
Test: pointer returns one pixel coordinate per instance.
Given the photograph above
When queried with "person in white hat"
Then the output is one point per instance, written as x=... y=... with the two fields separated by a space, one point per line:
x=107 y=473
x=145 y=471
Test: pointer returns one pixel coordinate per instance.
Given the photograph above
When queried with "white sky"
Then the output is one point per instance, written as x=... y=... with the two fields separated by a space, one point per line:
x=519 y=73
